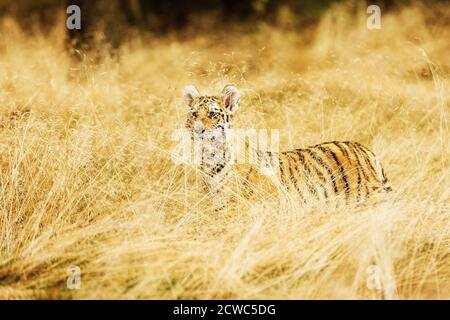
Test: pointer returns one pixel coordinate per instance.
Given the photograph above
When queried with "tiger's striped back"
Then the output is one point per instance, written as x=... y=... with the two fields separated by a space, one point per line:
x=331 y=169
x=325 y=171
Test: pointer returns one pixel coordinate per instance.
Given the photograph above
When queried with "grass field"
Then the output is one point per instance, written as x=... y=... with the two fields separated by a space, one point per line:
x=86 y=176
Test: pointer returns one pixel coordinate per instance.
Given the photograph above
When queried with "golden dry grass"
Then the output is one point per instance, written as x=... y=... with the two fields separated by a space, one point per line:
x=86 y=177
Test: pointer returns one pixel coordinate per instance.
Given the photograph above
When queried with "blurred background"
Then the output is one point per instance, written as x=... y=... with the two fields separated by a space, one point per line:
x=112 y=21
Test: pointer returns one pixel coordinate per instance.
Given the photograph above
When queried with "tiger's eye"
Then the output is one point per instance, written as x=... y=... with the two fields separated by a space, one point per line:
x=212 y=114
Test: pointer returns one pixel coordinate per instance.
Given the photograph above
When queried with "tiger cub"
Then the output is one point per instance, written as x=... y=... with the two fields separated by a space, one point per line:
x=332 y=169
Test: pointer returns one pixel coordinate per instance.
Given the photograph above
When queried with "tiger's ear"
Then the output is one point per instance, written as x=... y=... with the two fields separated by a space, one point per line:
x=231 y=95
x=190 y=93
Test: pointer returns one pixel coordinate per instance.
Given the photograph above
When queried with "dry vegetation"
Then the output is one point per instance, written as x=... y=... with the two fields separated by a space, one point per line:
x=86 y=177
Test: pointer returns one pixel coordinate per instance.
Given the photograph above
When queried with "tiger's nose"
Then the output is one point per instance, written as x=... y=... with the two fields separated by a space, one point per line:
x=198 y=128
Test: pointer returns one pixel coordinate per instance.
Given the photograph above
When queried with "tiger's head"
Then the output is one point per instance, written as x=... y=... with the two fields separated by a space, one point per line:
x=209 y=114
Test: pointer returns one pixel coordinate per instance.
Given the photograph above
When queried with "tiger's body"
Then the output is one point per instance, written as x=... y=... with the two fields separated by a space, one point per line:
x=329 y=170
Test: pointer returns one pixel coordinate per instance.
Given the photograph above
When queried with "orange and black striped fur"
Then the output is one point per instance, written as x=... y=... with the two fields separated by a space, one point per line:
x=332 y=169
